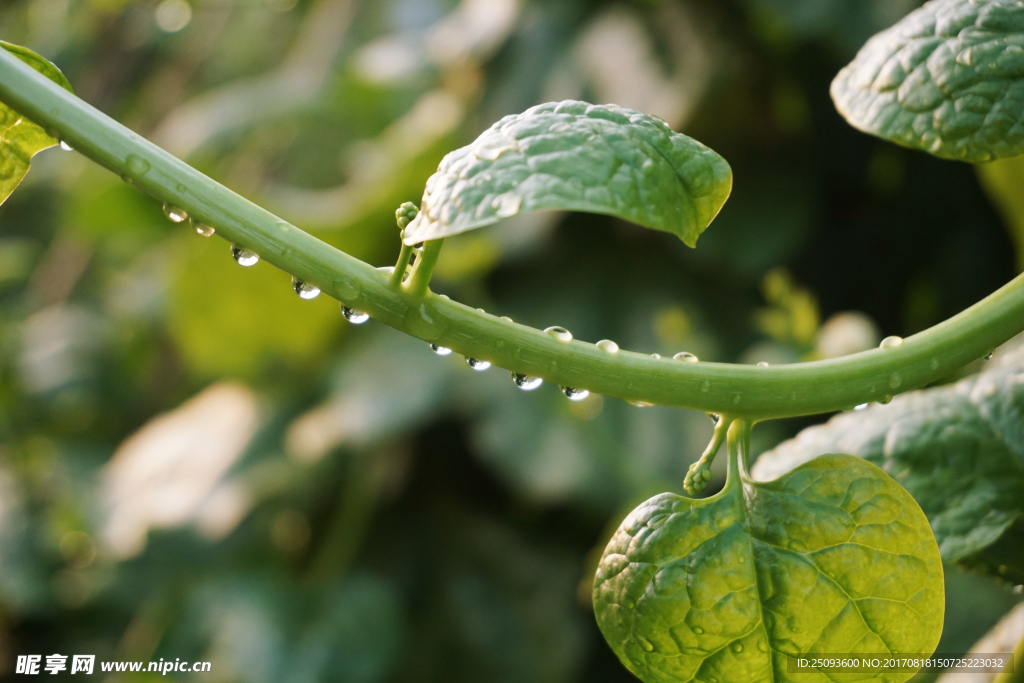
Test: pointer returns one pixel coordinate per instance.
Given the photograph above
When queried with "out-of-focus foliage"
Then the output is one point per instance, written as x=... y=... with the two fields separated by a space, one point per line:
x=196 y=463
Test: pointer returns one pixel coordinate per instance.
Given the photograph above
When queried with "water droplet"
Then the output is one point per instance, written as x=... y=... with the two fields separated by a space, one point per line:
x=705 y=386
x=762 y=364
x=66 y=147
x=574 y=394
x=989 y=355
x=284 y=226
x=507 y=204
x=762 y=646
x=203 y=229
x=175 y=214
x=685 y=356
x=715 y=418
x=736 y=647
x=525 y=382
x=304 y=289
x=698 y=630
x=640 y=404
x=440 y=350
x=885 y=400
x=861 y=406
x=137 y=165
x=386 y=271
x=891 y=342
x=895 y=380
x=559 y=333
x=656 y=356
x=243 y=256
x=477 y=364
x=608 y=345
x=507 y=319
x=645 y=644
x=353 y=316
x=934 y=364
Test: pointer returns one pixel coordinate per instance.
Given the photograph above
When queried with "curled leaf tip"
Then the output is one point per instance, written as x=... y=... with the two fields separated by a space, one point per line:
x=575 y=156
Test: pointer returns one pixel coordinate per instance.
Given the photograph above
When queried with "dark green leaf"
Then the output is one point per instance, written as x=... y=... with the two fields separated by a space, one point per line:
x=947 y=79
x=20 y=138
x=580 y=157
x=959 y=450
x=834 y=557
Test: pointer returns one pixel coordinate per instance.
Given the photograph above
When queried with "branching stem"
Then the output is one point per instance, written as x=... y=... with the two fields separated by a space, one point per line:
x=746 y=392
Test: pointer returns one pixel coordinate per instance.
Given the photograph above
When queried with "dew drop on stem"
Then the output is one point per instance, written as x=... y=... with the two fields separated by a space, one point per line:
x=243 y=256
x=525 y=382
x=685 y=356
x=891 y=342
x=353 y=316
x=478 y=365
x=762 y=364
x=203 y=229
x=885 y=400
x=66 y=147
x=574 y=394
x=305 y=290
x=608 y=345
x=174 y=214
x=861 y=406
x=990 y=355
x=559 y=333
x=440 y=350
x=656 y=356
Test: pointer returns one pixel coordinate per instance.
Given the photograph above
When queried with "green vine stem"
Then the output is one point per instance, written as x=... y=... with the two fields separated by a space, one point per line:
x=424 y=268
x=746 y=392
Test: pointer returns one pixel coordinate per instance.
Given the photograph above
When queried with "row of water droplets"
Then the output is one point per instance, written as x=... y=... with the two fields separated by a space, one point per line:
x=895 y=379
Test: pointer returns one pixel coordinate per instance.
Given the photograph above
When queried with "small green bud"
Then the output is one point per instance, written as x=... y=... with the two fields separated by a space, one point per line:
x=405 y=214
x=697 y=477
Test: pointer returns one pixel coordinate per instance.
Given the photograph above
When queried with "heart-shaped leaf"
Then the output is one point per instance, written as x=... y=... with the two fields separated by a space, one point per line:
x=947 y=79
x=20 y=138
x=579 y=157
x=833 y=558
x=959 y=450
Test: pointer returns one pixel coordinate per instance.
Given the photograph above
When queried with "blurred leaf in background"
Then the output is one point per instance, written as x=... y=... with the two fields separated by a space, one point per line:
x=291 y=496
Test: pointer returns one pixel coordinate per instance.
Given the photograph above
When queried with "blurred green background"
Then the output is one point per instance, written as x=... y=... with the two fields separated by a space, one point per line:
x=197 y=464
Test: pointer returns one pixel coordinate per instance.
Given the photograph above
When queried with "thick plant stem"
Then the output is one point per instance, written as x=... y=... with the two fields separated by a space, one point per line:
x=743 y=391
x=419 y=281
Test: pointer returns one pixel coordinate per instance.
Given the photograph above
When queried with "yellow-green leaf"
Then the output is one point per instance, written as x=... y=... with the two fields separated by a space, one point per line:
x=832 y=558
x=20 y=138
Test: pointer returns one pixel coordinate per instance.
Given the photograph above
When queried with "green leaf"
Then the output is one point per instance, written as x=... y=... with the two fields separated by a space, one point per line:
x=947 y=79
x=959 y=450
x=832 y=558
x=20 y=138
x=579 y=157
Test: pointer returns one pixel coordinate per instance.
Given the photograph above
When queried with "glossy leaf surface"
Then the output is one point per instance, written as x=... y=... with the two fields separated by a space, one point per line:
x=959 y=450
x=20 y=138
x=947 y=79
x=580 y=157
x=833 y=557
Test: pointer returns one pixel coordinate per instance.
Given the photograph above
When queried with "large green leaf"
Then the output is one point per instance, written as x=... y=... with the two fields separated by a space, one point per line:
x=959 y=450
x=580 y=157
x=20 y=138
x=948 y=79
x=832 y=558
